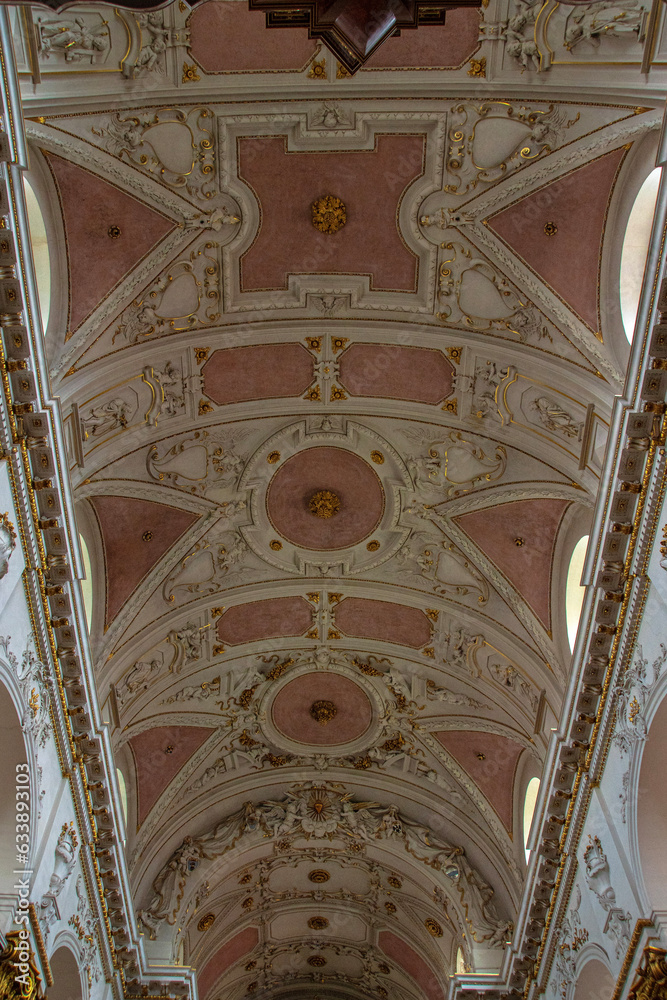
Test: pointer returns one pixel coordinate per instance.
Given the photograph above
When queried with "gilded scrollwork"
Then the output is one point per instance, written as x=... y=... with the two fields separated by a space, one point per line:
x=489 y=140
x=179 y=649
x=445 y=567
x=472 y=294
x=177 y=146
x=186 y=296
x=651 y=977
x=321 y=811
x=203 y=568
x=454 y=466
x=201 y=463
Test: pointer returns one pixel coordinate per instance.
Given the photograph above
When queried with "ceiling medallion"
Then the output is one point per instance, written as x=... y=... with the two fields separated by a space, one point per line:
x=113 y=232
x=317 y=961
x=318 y=923
x=324 y=503
x=319 y=875
x=550 y=228
x=329 y=214
x=206 y=921
x=433 y=927
x=323 y=711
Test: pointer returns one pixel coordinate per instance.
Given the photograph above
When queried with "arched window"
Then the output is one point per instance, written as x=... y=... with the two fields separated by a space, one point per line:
x=635 y=249
x=66 y=976
x=574 y=592
x=651 y=805
x=529 y=803
x=123 y=792
x=87 y=583
x=595 y=982
x=40 y=252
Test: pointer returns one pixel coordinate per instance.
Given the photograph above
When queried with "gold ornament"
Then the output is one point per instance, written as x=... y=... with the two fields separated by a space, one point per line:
x=477 y=67
x=273 y=457
x=324 y=503
x=323 y=711
x=15 y=952
x=275 y=545
x=318 y=923
x=329 y=214
x=377 y=457
x=651 y=978
x=433 y=927
x=317 y=961
x=373 y=546
x=206 y=922
x=319 y=875
x=190 y=74
x=550 y=229
x=394 y=881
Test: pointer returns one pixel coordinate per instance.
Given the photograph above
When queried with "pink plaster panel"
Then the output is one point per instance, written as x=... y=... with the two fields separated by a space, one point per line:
x=265 y=620
x=356 y=616
x=267 y=371
x=226 y=37
x=291 y=709
x=394 y=372
x=157 y=764
x=444 y=46
x=127 y=556
x=400 y=952
x=495 y=774
x=339 y=471
x=97 y=262
x=527 y=566
x=287 y=184
x=225 y=957
x=569 y=260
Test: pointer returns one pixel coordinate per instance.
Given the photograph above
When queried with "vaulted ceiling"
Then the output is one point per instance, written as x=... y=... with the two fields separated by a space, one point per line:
x=329 y=483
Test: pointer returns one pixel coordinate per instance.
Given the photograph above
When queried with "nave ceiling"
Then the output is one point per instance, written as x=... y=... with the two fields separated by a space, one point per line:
x=329 y=484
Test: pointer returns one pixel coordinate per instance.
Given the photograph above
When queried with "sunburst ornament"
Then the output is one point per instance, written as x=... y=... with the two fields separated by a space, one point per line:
x=329 y=214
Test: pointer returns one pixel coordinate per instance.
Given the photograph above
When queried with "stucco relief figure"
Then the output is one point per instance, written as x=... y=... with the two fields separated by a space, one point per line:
x=215 y=219
x=552 y=415
x=322 y=810
x=155 y=39
x=591 y=23
x=519 y=43
x=110 y=416
x=455 y=465
x=528 y=324
x=598 y=878
x=74 y=39
x=168 y=887
x=7 y=543
x=444 y=218
x=65 y=860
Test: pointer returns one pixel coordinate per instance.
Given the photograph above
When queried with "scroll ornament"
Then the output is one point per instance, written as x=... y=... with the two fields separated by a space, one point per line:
x=325 y=811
